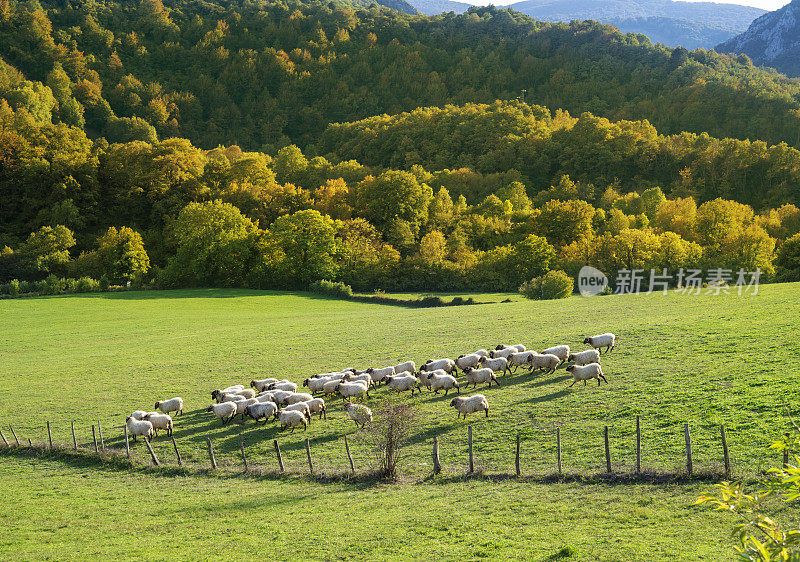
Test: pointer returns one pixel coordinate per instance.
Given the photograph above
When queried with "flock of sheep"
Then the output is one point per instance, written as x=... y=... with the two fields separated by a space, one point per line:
x=280 y=400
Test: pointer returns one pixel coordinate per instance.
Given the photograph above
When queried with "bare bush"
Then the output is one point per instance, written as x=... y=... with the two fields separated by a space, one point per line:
x=393 y=421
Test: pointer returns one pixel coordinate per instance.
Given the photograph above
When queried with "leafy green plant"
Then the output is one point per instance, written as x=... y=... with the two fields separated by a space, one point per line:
x=552 y=285
x=331 y=288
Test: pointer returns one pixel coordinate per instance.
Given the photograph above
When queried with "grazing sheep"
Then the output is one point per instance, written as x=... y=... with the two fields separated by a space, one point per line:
x=400 y=383
x=224 y=411
x=516 y=346
x=261 y=385
x=281 y=397
x=547 y=362
x=299 y=407
x=607 y=340
x=363 y=377
x=283 y=385
x=262 y=410
x=317 y=405
x=298 y=397
x=464 y=362
x=422 y=380
x=379 y=375
x=496 y=364
x=407 y=367
x=470 y=404
x=160 y=421
x=586 y=372
x=361 y=415
x=440 y=380
x=447 y=365
x=231 y=398
x=481 y=352
x=585 y=357
x=171 y=405
x=519 y=359
x=228 y=395
x=314 y=384
x=350 y=390
x=138 y=415
x=505 y=352
x=330 y=387
x=246 y=392
x=266 y=396
x=475 y=376
x=232 y=389
x=139 y=427
x=560 y=351
x=292 y=418
x=243 y=404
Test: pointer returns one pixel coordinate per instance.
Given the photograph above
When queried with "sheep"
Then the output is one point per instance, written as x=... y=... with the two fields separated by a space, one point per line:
x=299 y=407
x=266 y=396
x=470 y=404
x=481 y=352
x=547 y=362
x=520 y=358
x=505 y=352
x=330 y=387
x=440 y=380
x=447 y=365
x=315 y=384
x=292 y=418
x=171 y=405
x=464 y=362
x=231 y=398
x=262 y=384
x=298 y=397
x=246 y=392
x=399 y=383
x=349 y=390
x=281 y=397
x=379 y=375
x=407 y=367
x=475 y=376
x=232 y=389
x=139 y=427
x=607 y=340
x=496 y=364
x=138 y=415
x=560 y=351
x=585 y=357
x=262 y=410
x=160 y=421
x=360 y=414
x=422 y=380
x=317 y=405
x=224 y=411
x=283 y=385
x=242 y=404
x=586 y=372
x=228 y=395
x=363 y=377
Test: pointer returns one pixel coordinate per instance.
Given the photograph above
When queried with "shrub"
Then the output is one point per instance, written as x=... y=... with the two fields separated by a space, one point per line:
x=552 y=285
x=104 y=283
x=26 y=287
x=87 y=285
x=331 y=288
x=387 y=434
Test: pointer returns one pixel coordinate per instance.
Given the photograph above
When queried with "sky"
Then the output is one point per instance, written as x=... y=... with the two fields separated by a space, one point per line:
x=763 y=4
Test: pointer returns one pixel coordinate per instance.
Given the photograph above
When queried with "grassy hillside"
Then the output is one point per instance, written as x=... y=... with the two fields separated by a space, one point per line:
x=707 y=360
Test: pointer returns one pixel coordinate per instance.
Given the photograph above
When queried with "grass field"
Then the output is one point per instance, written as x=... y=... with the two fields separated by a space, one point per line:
x=706 y=360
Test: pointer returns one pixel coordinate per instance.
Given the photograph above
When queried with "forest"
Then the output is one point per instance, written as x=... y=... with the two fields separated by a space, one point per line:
x=271 y=145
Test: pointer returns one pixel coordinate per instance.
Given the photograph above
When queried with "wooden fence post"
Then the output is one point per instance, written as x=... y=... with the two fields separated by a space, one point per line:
x=437 y=466
x=152 y=452
x=349 y=456
x=608 y=450
x=94 y=436
x=3 y=435
x=278 y=453
x=127 y=443
x=211 y=453
x=689 y=467
x=308 y=454
x=177 y=453
x=100 y=432
x=471 y=457
x=516 y=458
x=14 y=434
x=244 y=458
x=75 y=441
x=638 y=446
x=49 y=436
x=558 y=449
x=725 y=457
x=30 y=443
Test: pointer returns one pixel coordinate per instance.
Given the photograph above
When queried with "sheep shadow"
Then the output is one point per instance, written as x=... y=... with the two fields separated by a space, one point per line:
x=544 y=397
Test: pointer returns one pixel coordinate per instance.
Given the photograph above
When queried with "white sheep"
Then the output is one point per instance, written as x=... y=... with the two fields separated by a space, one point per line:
x=159 y=421
x=363 y=377
x=138 y=415
x=139 y=427
x=379 y=375
x=560 y=351
x=266 y=396
x=281 y=397
x=470 y=404
x=283 y=385
x=585 y=357
x=481 y=352
x=407 y=367
x=587 y=372
x=422 y=380
x=298 y=397
x=495 y=364
x=262 y=410
x=330 y=387
x=547 y=362
x=262 y=384
x=171 y=405
x=246 y=392
x=292 y=418
x=476 y=376
x=519 y=359
x=447 y=365
x=505 y=352
x=299 y=407
x=230 y=398
x=232 y=389
x=464 y=362
x=442 y=381
x=516 y=346
x=316 y=384
x=607 y=340
x=400 y=383
x=360 y=414
x=350 y=390
x=316 y=405
x=231 y=395
x=242 y=404
x=224 y=411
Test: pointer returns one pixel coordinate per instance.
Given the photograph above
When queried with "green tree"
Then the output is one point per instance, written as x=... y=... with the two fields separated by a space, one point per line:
x=47 y=249
x=787 y=262
x=433 y=248
x=563 y=222
x=307 y=239
x=122 y=255
x=395 y=195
